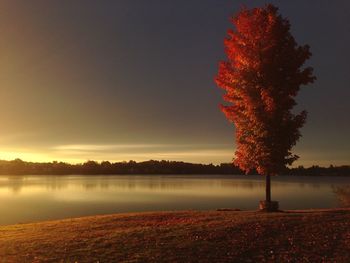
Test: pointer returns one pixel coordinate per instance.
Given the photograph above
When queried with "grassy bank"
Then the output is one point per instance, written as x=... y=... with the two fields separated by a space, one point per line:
x=190 y=236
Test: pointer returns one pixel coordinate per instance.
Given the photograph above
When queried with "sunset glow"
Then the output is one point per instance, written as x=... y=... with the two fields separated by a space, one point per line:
x=87 y=89
x=174 y=131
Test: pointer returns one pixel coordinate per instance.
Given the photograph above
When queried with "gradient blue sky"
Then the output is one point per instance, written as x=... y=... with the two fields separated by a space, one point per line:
x=133 y=79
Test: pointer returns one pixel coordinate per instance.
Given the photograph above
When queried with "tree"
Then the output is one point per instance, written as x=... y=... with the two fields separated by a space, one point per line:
x=261 y=77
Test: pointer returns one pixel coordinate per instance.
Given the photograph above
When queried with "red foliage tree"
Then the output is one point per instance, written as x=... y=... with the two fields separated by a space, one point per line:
x=261 y=77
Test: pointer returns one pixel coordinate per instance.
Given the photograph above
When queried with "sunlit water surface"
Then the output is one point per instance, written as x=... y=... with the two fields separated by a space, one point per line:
x=37 y=198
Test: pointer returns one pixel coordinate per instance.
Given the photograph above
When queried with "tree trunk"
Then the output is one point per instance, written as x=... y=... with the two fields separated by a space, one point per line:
x=268 y=189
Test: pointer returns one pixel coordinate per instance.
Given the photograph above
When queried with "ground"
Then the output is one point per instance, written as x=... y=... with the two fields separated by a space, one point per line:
x=188 y=236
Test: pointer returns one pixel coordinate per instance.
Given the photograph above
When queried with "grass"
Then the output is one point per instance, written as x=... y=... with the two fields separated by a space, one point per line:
x=188 y=236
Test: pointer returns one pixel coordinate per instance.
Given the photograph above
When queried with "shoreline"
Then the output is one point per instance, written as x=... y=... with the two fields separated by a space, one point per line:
x=183 y=236
x=160 y=167
x=180 y=174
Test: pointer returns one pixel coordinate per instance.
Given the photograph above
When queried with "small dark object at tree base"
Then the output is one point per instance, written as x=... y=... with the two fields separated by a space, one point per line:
x=268 y=206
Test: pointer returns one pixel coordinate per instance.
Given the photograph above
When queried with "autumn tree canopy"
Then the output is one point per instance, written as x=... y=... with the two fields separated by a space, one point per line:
x=262 y=75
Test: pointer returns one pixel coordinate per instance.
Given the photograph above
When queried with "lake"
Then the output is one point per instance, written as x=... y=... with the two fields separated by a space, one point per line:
x=36 y=198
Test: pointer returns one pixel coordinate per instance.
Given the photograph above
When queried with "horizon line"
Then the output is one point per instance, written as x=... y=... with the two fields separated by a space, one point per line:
x=157 y=160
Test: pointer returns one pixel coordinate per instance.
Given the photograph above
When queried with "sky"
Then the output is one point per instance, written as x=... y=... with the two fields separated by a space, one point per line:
x=134 y=80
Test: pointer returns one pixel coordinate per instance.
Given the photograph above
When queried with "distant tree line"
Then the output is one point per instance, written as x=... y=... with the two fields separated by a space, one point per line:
x=19 y=167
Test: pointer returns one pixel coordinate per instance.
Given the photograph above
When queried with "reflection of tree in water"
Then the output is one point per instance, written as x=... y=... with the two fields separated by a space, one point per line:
x=16 y=183
x=243 y=184
x=343 y=195
x=153 y=182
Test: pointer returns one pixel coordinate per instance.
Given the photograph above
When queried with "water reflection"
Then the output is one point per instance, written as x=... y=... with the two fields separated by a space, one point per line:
x=16 y=183
x=33 y=198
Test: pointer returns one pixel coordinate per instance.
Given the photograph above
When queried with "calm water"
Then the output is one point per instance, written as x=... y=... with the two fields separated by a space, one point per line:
x=36 y=198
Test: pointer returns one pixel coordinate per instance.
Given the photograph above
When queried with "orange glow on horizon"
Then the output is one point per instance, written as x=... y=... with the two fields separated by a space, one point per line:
x=81 y=153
